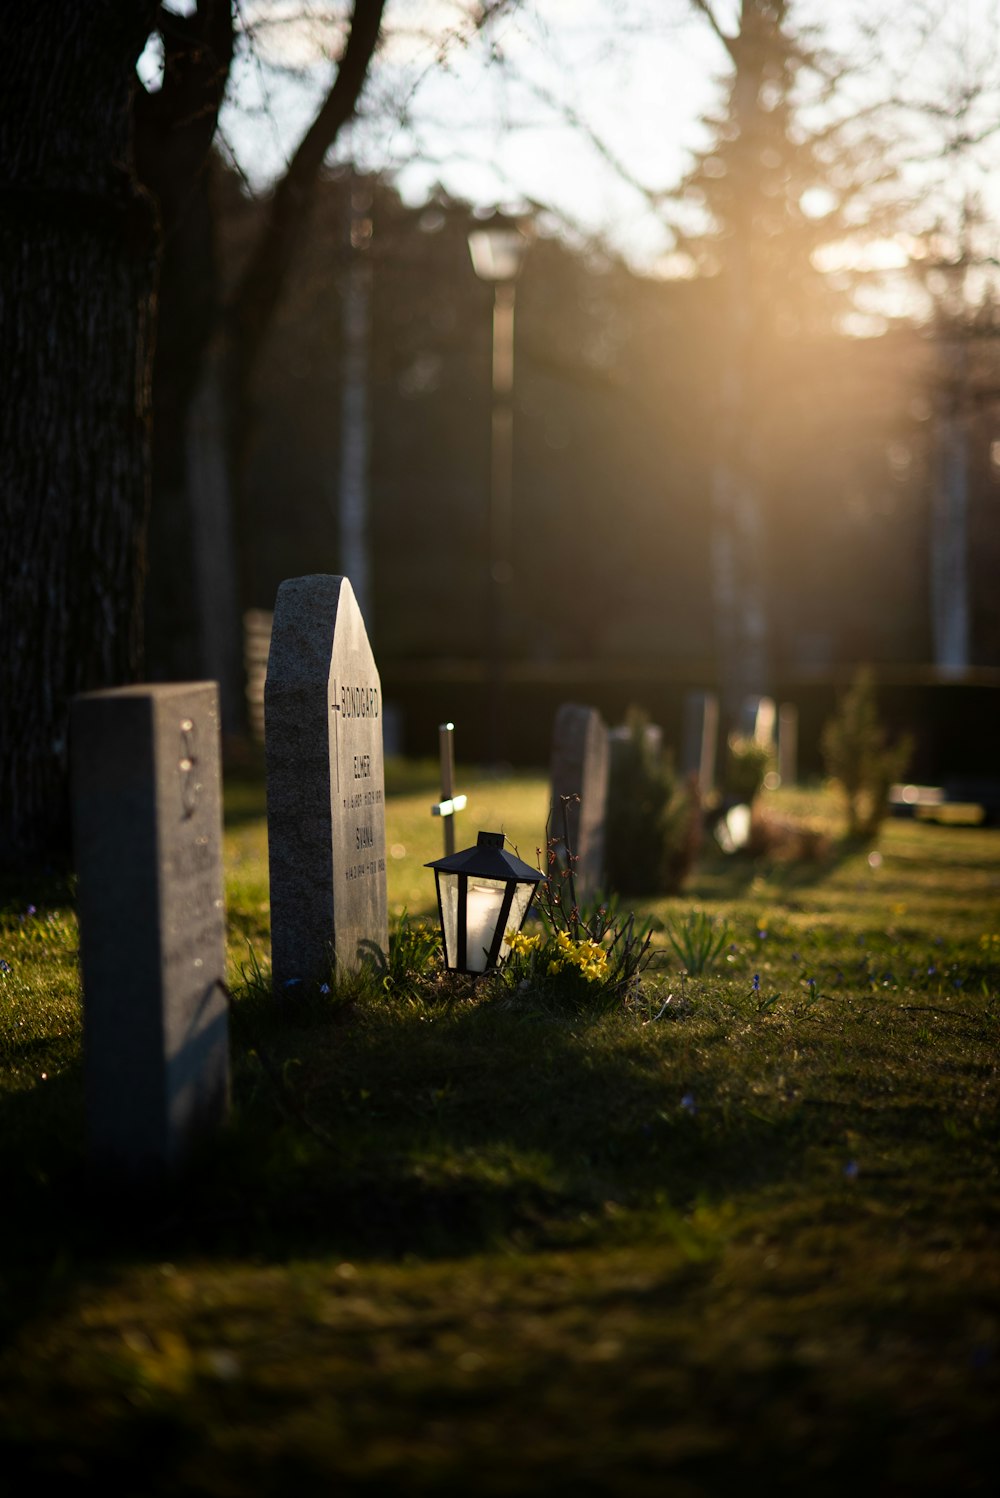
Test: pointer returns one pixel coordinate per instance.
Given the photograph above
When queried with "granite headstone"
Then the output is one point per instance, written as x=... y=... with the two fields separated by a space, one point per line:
x=325 y=784
x=147 y=835
x=758 y=720
x=788 y=743
x=699 y=739
x=579 y=769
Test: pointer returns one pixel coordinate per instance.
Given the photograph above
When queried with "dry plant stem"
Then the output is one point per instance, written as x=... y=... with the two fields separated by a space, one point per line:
x=570 y=860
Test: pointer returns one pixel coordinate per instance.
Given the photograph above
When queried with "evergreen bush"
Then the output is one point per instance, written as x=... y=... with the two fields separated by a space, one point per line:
x=747 y=764
x=859 y=758
x=654 y=821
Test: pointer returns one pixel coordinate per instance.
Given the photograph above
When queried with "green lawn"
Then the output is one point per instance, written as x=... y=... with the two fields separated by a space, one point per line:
x=731 y=1235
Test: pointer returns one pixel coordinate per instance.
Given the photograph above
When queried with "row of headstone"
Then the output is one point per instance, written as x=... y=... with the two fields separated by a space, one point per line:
x=147 y=808
x=580 y=761
x=147 y=833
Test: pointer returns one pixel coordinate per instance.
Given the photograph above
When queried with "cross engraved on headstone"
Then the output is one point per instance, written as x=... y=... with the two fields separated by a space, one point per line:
x=187 y=765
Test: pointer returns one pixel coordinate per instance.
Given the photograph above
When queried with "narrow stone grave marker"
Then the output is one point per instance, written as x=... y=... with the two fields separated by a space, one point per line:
x=579 y=767
x=147 y=833
x=699 y=740
x=758 y=718
x=788 y=743
x=325 y=784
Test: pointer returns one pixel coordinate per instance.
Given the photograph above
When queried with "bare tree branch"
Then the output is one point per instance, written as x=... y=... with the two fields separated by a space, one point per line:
x=706 y=10
x=258 y=291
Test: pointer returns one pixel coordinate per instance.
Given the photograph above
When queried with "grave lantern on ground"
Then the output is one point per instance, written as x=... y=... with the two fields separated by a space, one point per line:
x=483 y=892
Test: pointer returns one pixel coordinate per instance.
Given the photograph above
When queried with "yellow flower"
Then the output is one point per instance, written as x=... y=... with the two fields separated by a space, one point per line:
x=519 y=942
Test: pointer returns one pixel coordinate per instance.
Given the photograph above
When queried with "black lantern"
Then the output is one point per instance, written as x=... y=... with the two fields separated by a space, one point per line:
x=483 y=892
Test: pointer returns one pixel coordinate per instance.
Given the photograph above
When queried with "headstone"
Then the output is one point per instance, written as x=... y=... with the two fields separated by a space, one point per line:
x=325 y=785
x=147 y=834
x=699 y=740
x=579 y=768
x=758 y=718
x=788 y=743
x=256 y=643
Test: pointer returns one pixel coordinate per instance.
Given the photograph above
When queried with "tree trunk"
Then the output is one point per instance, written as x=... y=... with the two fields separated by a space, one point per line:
x=351 y=500
x=175 y=127
x=949 y=529
x=77 y=262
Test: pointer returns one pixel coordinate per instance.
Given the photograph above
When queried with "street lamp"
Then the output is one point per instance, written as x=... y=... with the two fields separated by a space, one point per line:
x=483 y=892
x=497 y=248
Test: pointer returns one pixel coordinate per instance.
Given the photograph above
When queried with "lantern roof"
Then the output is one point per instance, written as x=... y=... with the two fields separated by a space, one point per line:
x=487 y=860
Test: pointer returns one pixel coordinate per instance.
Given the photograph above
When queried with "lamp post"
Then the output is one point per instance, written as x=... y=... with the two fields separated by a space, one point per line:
x=497 y=248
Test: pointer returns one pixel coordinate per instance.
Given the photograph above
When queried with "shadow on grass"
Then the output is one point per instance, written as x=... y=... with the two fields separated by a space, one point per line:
x=729 y=876
x=393 y=1129
x=389 y=1133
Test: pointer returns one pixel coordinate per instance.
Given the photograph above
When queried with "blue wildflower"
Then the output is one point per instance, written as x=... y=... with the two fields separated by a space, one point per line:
x=851 y=1170
x=5 y=967
x=756 y=982
x=688 y=1103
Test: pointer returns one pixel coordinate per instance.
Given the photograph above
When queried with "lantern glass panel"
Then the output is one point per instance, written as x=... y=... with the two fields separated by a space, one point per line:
x=483 y=909
x=448 y=896
x=482 y=912
x=523 y=895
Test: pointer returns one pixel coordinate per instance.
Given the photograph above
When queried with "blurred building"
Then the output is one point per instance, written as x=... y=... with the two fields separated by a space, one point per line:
x=611 y=597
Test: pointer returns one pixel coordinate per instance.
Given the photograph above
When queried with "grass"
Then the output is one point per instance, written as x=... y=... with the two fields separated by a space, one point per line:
x=734 y=1233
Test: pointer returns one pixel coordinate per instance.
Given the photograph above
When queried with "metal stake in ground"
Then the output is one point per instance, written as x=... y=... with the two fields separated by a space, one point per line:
x=449 y=803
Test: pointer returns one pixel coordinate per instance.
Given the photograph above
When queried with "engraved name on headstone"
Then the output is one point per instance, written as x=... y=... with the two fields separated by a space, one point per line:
x=325 y=784
x=147 y=834
x=579 y=767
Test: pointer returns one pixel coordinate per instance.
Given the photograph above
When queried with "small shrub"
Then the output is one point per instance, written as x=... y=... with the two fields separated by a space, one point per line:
x=857 y=756
x=590 y=954
x=699 y=940
x=785 y=840
x=408 y=967
x=747 y=765
x=654 y=821
x=412 y=949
